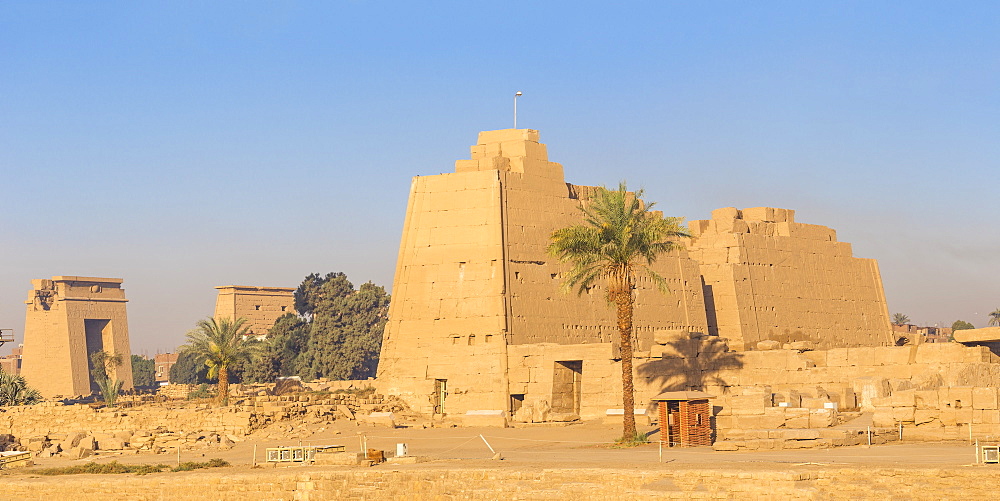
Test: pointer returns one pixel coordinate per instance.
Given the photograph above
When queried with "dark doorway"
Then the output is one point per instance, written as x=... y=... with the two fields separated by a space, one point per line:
x=516 y=401
x=567 y=380
x=96 y=332
x=440 y=394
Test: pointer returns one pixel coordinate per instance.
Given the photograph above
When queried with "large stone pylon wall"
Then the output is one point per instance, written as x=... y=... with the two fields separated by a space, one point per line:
x=769 y=277
x=473 y=279
x=67 y=319
x=446 y=318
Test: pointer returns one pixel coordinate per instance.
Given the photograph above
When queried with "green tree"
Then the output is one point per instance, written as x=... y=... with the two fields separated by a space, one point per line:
x=620 y=237
x=221 y=345
x=188 y=370
x=143 y=371
x=995 y=317
x=286 y=341
x=102 y=365
x=15 y=391
x=961 y=325
x=900 y=319
x=345 y=327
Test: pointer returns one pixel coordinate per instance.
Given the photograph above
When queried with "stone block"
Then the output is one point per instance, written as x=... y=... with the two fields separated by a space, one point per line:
x=800 y=434
x=906 y=398
x=813 y=403
x=883 y=418
x=924 y=416
x=485 y=418
x=903 y=414
x=836 y=357
x=726 y=445
x=948 y=416
x=926 y=399
x=991 y=416
x=339 y=458
x=768 y=345
x=940 y=353
x=670 y=336
x=822 y=418
x=749 y=404
x=111 y=443
x=868 y=388
x=725 y=214
x=861 y=357
x=960 y=397
x=36 y=445
x=892 y=355
x=73 y=440
x=881 y=402
x=88 y=442
x=386 y=419
x=796 y=418
x=818 y=358
x=984 y=398
x=964 y=415
x=847 y=399
x=554 y=417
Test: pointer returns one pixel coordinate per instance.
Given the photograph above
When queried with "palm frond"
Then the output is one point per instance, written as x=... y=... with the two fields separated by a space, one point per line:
x=619 y=232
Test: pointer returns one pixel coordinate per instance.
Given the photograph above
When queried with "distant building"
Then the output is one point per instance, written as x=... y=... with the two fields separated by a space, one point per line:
x=261 y=306
x=11 y=364
x=925 y=334
x=164 y=361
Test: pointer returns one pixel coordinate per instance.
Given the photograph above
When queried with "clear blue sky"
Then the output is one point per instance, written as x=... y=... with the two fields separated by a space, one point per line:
x=184 y=145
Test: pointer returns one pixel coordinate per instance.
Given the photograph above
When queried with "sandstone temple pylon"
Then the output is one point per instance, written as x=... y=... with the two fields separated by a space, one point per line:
x=478 y=320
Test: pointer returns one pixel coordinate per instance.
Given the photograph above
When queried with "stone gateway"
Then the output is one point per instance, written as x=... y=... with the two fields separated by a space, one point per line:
x=69 y=319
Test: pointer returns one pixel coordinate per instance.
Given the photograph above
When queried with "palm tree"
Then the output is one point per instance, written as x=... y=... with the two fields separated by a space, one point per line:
x=14 y=391
x=900 y=319
x=620 y=236
x=995 y=317
x=221 y=344
x=105 y=364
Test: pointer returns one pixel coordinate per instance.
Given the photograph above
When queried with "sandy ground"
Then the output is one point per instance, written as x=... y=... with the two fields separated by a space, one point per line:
x=583 y=445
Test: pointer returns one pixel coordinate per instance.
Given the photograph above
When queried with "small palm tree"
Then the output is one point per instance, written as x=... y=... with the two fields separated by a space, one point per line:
x=221 y=344
x=619 y=238
x=14 y=391
x=105 y=364
x=995 y=318
x=900 y=319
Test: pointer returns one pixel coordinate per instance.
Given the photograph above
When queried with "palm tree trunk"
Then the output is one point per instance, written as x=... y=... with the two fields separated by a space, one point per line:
x=624 y=302
x=223 y=387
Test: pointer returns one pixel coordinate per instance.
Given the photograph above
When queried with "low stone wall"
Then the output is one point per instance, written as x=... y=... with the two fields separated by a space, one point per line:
x=53 y=428
x=540 y=484
x=935 y=391
x=53 y=417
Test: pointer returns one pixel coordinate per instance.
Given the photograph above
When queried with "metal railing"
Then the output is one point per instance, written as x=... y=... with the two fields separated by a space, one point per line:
x=6 y=336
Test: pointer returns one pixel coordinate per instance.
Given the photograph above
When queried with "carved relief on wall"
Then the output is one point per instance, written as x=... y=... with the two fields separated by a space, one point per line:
x=44 y=298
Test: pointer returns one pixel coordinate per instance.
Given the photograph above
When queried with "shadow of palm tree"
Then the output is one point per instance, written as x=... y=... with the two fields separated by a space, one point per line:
x=690 y=364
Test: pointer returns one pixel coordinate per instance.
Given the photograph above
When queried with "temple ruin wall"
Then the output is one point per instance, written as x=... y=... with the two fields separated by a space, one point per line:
x=261 y=306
